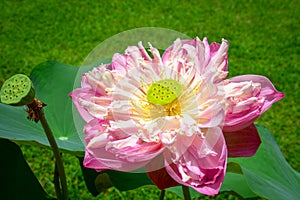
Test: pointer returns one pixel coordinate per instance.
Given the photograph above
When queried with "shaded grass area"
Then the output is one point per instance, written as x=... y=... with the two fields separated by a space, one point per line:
x=263 y=36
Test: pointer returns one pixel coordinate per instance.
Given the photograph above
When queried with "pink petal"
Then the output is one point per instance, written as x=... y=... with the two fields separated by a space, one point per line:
x=96 y=156
x=220 y=54
x=158 y=174
x=157 y=63
x=90 y=105
x=250 y=111
x=116 y=151
x=162 y=179
x=202 y=166
x=95 y=128
x=101 y=160
x=82 y=93
x=204 y=57
x=133 y=149
x=131 y=59
x=119 y=63
x=267 y=89
x=242 y=143
x=99 y=79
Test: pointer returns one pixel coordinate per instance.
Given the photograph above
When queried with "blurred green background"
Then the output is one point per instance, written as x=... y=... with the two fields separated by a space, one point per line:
x=264 y=38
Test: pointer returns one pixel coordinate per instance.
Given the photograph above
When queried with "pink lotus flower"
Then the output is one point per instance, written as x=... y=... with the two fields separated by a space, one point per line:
x=167 y=113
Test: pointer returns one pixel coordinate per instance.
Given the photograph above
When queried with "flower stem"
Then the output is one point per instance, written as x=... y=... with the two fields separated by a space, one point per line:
x=58 y=160
x=162 y=194
x=56 y=183
x=186 y=192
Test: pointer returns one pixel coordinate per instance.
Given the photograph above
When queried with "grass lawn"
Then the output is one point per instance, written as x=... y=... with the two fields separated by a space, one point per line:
x=263 y=36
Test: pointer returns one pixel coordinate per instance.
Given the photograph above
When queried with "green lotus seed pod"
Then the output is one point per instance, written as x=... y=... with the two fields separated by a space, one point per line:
x=17 y=90
x=164 y=92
